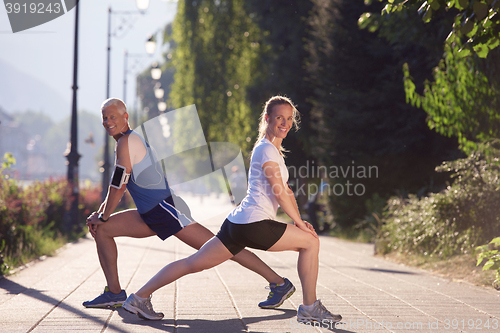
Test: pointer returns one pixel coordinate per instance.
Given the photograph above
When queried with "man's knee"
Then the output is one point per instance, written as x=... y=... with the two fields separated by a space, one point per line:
x=104 y=231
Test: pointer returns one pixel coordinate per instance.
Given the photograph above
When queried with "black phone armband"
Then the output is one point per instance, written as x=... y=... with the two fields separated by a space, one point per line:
x=120 y=176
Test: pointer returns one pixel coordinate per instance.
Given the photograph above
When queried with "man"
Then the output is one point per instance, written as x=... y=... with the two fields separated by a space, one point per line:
x=156 y=212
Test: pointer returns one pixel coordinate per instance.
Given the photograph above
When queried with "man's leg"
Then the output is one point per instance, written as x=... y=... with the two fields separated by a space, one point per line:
x=195 y=235
x=125 y=223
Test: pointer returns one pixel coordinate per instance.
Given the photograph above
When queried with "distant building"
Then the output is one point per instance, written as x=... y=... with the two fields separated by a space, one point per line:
x=31 y=160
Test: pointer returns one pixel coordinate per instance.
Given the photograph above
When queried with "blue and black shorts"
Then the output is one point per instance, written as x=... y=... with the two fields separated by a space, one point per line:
x=166 y=219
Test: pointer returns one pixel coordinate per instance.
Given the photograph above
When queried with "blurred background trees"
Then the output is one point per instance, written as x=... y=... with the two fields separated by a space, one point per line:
x=399 y=102
x=402 y=86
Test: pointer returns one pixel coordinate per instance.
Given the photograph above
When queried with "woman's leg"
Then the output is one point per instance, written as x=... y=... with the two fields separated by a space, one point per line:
x=195 y=235
x=308 y=247
x=210 y=255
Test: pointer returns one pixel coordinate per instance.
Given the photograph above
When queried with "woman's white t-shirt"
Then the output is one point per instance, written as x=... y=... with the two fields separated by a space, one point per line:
x=260 y=202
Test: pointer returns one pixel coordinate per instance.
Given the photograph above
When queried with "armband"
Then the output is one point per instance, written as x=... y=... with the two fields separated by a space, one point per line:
x=120 y=176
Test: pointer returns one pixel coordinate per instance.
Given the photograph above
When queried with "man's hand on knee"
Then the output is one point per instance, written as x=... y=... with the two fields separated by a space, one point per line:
x=92 y=223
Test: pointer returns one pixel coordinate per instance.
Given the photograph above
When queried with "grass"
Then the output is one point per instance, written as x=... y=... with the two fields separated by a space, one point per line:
x=459 y=268
x=43 y=244
x=351 y=234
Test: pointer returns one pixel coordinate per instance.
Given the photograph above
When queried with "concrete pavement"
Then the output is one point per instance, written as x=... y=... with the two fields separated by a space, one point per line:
x=371 y=294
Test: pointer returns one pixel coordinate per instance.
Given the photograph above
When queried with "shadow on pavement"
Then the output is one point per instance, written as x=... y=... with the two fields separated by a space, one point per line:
x=387 y=271
x=207 y=326
x=232 y=325
x=14 y=288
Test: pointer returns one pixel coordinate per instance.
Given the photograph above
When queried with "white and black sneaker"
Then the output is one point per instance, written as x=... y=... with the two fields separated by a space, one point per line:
x=142 y=308
x=318 y=313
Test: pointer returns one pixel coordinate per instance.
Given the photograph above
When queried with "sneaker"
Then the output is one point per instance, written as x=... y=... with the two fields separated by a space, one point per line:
x=107 y=299
x=277 y=295
x=318 y=313
x=144 y=309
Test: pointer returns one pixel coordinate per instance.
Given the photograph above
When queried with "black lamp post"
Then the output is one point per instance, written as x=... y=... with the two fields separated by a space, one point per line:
x=73 y=217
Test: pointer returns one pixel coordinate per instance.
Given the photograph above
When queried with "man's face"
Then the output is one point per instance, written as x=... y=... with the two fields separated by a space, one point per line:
x=113 y=121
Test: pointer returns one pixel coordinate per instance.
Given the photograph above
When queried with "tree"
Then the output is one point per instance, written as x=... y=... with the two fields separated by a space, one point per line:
x=216 y=59
x=460 y=101
x=231 y=56
x=285 y=28
x=477 y=20
x=359 y=108
x=461 y=97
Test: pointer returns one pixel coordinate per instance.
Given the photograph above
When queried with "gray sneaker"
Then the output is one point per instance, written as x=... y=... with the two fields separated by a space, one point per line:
x=144 y=309
x=319 y=313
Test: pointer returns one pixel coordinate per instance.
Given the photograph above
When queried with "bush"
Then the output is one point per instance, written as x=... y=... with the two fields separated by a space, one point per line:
x=490 y=253
x=453 y=221
x=31 y=218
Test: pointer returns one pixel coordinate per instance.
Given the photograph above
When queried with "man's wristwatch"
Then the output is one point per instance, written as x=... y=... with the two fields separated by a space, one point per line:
x=101 y=218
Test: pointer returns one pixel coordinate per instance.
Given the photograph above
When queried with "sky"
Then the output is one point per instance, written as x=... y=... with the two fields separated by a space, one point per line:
x=36 y=65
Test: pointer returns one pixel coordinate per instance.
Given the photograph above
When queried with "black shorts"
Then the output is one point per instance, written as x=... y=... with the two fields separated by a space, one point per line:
x=166 y=219
x=257 y=235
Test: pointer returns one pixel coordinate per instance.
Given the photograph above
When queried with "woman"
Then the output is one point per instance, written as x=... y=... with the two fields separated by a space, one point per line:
x=253 y=223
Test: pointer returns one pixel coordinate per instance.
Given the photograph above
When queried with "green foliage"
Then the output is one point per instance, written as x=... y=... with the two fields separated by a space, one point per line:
x=31 y=219
x=453 y=221
x=283 y=67
x=371 y=222
x=231 y=56
x=359 y=109
x=491 y=255
x=460 y=101
x=8 y=160
x=476 y=21
x=216 y=58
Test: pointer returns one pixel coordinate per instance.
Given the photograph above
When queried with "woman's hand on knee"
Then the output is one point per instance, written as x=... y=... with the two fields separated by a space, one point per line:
x=307 y=227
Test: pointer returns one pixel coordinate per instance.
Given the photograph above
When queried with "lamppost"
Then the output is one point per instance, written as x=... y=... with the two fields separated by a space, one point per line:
x=142 y=5
x=150 y=51
x=73 y=156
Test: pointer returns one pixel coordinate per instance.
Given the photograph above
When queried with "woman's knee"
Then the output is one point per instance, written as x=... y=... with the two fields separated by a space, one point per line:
x=312 y=243
x=195 y=266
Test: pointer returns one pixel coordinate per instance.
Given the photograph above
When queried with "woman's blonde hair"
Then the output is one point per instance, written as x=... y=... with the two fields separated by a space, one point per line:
x=268 y=108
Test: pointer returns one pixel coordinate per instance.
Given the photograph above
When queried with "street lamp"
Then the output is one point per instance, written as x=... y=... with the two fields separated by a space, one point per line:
x=155 y=72
x=158 y=91
x=141 y=5
x=125 y=73
x=73 y=156
x=162 y=106
x=151 y=44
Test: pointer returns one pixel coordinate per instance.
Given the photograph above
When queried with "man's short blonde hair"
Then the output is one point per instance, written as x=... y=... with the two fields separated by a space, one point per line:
x=122 y=108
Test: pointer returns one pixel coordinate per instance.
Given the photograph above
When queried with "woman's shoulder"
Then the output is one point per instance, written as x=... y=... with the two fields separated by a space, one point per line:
x=264 y=145
x=265 y=148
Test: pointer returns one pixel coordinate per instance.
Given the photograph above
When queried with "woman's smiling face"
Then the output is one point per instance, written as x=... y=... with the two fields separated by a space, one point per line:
x=280 y=121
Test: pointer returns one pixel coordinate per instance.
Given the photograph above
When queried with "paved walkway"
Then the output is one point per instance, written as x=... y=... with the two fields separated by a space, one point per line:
x=372 y=295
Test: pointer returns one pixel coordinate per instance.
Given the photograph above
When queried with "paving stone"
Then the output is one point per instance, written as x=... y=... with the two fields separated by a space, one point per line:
x=371 y=294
